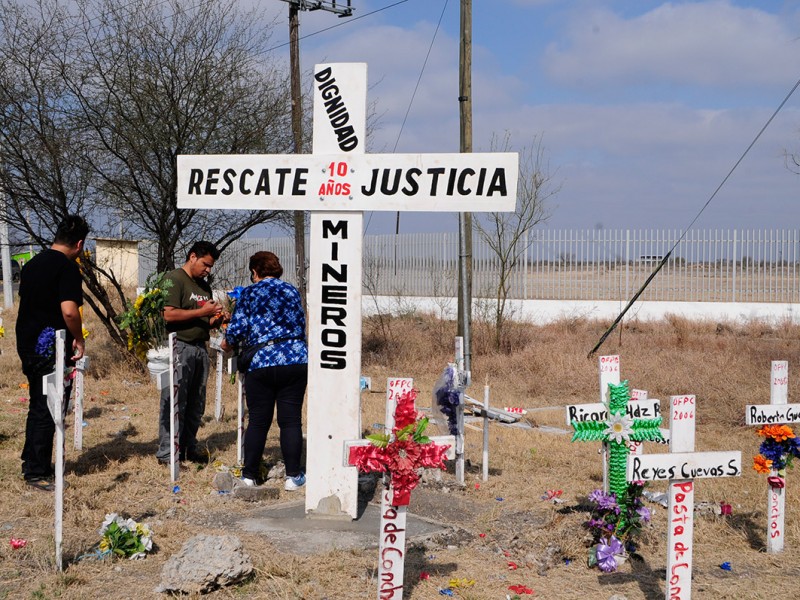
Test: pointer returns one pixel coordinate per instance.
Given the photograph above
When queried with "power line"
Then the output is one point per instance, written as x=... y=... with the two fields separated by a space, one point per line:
x=414 y=93
x=419 y=79
x=686 y=230
x=347 y=22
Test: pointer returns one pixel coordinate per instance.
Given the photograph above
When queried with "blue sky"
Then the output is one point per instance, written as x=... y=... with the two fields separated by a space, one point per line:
x=642 y=107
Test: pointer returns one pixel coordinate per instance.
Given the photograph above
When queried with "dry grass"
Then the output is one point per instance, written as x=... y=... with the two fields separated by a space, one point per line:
x=544 y=368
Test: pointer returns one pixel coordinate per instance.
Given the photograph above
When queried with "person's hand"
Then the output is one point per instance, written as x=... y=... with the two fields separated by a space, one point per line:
x=209 y=308
x=78 y=349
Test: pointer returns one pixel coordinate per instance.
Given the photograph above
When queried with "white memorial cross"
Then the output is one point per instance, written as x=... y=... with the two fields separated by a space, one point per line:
x=609 y=373
x=81 y=365
x=53 y=386
x=681 y=467
x=778 y=411
x=337 y=182
x=219 y=409
x=637 y=448
x=233 y=370
x=392 y=543
x=174 y=414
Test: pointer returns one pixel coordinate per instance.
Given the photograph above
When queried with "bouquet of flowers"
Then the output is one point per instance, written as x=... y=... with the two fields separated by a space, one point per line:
x=779 y=448
x=125 y=537
x=613 y=525
x=448 y=397
x=144 y=317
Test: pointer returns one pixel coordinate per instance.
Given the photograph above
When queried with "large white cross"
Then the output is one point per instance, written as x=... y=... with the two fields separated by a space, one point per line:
x=778 y=411
x=681 y=467
x=337 y=182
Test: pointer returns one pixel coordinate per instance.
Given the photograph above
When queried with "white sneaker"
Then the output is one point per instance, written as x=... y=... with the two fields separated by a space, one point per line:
x=248 y=482
x=294 y=483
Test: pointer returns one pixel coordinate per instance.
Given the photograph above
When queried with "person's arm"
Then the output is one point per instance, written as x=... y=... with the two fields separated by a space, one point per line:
x=72 y=317
x=173 y=314
x=237 y=327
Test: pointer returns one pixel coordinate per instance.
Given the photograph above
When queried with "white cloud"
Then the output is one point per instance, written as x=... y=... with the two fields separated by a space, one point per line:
x=699 y=43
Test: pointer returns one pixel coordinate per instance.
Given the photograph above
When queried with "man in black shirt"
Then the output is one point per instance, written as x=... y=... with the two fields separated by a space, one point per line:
x=50 y=299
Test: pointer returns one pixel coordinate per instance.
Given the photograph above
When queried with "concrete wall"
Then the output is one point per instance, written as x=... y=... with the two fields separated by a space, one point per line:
x=543 y=311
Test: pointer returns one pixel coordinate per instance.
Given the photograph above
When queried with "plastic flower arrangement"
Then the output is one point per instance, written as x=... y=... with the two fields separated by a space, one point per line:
x=144 y=317
x=614 y=524
x=46 y=343
x=402 y=453
x=448 y=397
x=779 y=448
x=124 y=537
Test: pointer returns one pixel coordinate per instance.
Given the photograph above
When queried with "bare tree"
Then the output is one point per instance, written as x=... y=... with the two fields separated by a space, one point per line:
x=98 y=103
x=507 y=234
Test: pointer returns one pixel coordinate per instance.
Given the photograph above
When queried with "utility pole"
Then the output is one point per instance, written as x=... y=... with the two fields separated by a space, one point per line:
x=465 y=219
x=343 y=9
x=5 y=250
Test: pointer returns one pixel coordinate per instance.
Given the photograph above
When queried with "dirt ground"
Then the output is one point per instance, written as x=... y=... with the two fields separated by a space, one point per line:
x=500 y=532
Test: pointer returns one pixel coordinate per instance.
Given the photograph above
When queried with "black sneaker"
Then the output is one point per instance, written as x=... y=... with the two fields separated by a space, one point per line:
x=44 y=484
x=200 y=456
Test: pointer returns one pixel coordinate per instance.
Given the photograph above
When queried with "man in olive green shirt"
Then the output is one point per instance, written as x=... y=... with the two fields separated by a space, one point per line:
x=191 y=313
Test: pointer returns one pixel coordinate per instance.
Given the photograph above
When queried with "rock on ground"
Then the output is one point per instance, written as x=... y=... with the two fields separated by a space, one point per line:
x=205 y=563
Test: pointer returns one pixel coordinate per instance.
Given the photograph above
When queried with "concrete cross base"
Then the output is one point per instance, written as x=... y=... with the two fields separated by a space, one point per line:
x=289 y=529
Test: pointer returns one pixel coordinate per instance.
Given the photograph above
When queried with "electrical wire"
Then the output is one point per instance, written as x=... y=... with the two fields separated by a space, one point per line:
x=413 y=95
x=349 y=20
x=686 y=230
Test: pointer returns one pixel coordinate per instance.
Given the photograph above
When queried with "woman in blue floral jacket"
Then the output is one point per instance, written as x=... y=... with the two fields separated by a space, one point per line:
x=269 y=315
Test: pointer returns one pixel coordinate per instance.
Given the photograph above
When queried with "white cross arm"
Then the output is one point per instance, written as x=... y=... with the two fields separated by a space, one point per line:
x=686 y=465
x=439 y=440
x=770 y=414
x=642 y=409
x=351 y=182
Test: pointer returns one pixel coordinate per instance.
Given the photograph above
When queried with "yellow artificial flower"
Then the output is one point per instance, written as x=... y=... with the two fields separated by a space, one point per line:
x=141 y=351
x=138 y=303
x=2 y=331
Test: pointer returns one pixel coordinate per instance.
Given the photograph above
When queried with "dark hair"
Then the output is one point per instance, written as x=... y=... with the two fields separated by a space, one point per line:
x=266 y=264
x=71 y=230
x=201 y=249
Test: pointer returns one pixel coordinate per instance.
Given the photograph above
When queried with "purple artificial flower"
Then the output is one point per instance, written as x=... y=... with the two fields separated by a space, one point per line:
x=794 y=447
x=644 y=513
x=45 y=342
x=605 y=552
x=604 y=501
x=774 y=451
x=595 y=523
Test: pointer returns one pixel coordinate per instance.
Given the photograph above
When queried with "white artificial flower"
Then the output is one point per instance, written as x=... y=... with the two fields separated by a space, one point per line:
x=108 y=520
x=619 y=428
